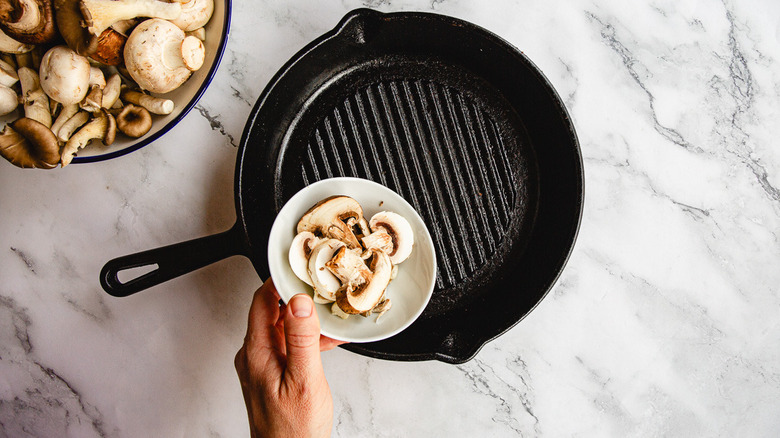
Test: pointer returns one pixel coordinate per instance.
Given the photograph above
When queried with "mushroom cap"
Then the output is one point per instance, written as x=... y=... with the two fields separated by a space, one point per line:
x=134 y=121
x=28 y=21
x=154 y=58
x=194 y=14
x=399 y=230
x=64 y=75
x=30 y=144
x=365 y=296
x=325 y=283
x=329 y=217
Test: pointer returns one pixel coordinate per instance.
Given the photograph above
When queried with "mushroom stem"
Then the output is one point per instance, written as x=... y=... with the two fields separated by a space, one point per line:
x=66 y=113
x=10 y=45
x=93 y=101
x=24 y=59
x=155 y=105
x=8 y=75
x=199 y=33
x=99 y=15
x=71 y=125
x=36 y=103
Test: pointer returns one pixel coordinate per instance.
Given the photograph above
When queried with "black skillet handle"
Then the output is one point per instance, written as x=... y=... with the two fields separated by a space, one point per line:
x=170 y=261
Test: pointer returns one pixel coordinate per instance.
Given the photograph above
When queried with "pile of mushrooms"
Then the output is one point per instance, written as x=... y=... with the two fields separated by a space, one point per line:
x=348 y=260
x=82 y=70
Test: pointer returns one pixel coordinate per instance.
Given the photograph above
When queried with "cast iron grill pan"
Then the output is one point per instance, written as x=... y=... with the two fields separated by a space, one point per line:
x=456 y=121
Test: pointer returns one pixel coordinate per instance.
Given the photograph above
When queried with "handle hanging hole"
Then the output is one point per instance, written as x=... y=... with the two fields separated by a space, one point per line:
x=130 y=274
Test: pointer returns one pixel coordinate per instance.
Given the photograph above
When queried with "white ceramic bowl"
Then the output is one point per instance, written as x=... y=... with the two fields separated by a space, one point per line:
x=409 y=292
x=185 y=97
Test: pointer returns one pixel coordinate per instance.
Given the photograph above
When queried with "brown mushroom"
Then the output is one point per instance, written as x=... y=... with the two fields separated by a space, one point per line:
x=28 y=21
x=30 y=144
x=134 y=121
x=102 y=127
x=110 y=46
x=333 y=217
x=69 y=23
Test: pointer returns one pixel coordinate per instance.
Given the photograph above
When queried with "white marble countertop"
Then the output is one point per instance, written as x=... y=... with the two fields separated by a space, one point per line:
x=665 y=322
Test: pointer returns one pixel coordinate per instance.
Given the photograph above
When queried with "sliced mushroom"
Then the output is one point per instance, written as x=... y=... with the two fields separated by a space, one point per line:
x=336 y=310
x=160 y=57
x=349 y=268
x=330 y=218
x=300 y=250
x=28 y=143
x=399 y=230
x=325 y=283
x=99 y=15
x=382 y=307
x=28 y=21
x=194 y=14
x=65 y=75
x=380 y=240
x=134 y=121
x=365 y=296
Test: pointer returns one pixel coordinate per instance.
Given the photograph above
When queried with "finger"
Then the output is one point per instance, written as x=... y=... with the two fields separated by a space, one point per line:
x=264 y=311
x=302 y=335
x=263 y=340
x=327 y=343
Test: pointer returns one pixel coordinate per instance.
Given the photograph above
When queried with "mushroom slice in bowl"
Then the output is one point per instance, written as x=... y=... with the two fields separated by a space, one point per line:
x=366 y=295
x=332 y=218
x=399 y=232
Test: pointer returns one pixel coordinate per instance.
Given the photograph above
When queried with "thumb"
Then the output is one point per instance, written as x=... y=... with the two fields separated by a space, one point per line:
x=302 y=336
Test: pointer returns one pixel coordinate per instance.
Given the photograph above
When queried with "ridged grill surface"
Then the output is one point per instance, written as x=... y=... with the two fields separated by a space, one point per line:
x=439 y=150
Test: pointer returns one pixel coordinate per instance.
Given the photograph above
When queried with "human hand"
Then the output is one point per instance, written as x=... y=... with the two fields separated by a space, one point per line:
x=280 y=368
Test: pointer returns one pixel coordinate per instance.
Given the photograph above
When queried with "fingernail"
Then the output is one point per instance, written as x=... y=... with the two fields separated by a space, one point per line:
x=301 y=306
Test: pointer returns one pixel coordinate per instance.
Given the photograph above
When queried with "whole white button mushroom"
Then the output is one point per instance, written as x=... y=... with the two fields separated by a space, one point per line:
x=64 y=75
x=160 y=57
